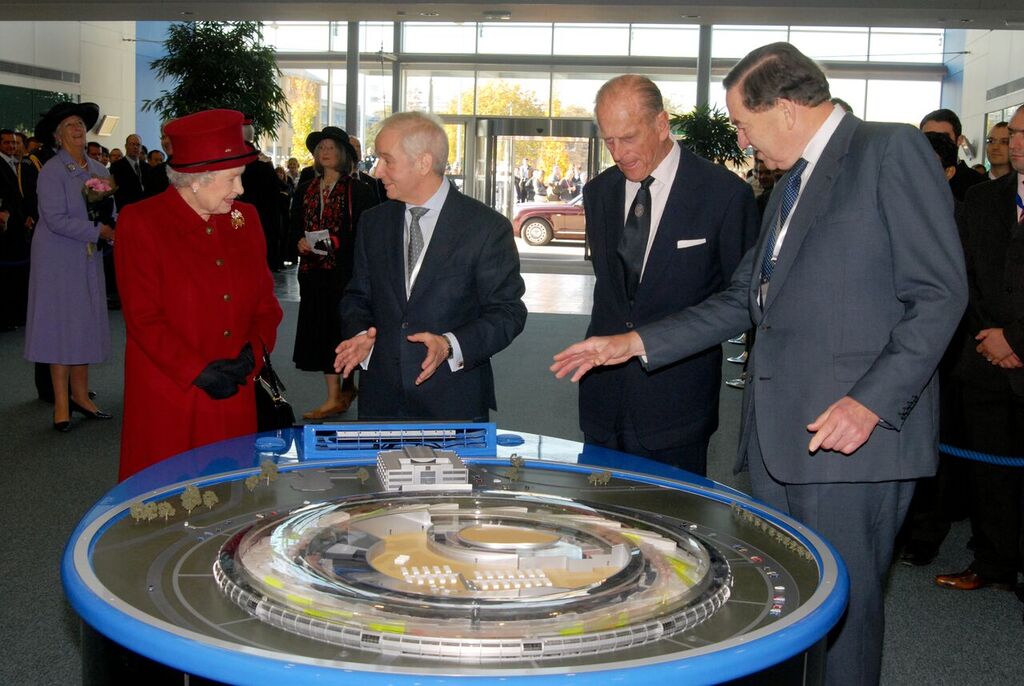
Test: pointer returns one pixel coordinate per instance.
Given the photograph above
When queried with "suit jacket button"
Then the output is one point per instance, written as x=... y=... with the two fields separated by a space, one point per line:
x=227 y=297
x=629 y=325
x=405 y=325
x=227 y=333
x=209 y=230
x=219 y=263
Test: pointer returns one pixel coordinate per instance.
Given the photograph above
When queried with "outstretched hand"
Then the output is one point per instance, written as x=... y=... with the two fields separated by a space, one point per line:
x=353 y=351
x=437 y=353
x=596 y=351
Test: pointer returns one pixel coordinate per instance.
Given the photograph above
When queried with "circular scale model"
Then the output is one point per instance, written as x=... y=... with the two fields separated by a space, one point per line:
x=417 y=566
x=477 y=578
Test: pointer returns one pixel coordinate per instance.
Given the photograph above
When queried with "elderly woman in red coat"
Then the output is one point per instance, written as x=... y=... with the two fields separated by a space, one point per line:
x=198 y=299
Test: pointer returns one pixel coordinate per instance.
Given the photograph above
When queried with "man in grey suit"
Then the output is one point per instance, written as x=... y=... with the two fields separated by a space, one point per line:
x=435 y=289
x=855 y=286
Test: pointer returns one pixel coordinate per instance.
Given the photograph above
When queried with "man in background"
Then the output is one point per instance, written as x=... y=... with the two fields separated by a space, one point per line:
x=946 y=122
x=997 y=150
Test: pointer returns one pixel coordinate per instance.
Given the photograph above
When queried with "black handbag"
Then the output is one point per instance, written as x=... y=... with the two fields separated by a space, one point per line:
x=273 y=411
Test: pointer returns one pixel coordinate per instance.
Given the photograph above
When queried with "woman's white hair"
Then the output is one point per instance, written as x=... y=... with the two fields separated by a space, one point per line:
x=422 y=133
x=180 y=179
x=60 y=128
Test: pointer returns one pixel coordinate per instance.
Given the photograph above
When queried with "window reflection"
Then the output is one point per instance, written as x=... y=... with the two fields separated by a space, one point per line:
x=514 y=39
x=513 y=94
x=658 y=40
x=591 y=39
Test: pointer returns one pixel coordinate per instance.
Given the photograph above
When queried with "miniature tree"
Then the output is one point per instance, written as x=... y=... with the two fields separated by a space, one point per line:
x=252 y=481
x=363 y=475
x=268 y=471
x=165 y=509
x=190 y=498
x=592 y=479
x=137 y=511
x=210 y=499
x=604 y=478
x=517 y=462
x=150 y=512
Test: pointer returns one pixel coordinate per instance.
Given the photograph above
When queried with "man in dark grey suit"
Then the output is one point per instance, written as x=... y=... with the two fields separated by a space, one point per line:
x=435 y=290
x=690 y=222
x=855 y=286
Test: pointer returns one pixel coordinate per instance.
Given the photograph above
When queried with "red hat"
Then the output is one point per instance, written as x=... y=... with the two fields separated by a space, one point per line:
x=208 y=141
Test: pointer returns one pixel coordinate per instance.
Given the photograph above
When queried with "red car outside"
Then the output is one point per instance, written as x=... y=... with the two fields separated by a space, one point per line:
x=538 y=223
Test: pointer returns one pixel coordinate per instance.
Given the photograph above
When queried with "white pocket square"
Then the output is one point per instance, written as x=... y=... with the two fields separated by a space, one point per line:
x=690 y=242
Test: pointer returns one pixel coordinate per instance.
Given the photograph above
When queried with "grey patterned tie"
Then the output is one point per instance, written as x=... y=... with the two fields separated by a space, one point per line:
x=415 y=241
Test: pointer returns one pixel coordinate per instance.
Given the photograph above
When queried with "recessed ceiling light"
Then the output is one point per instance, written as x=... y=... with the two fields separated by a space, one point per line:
x=966 y=21
x=498 y=15
x=186 y=13
x=430 y=14
x=690 y=16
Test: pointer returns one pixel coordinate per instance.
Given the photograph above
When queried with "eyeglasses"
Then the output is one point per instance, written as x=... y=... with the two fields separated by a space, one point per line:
x=1002 y=141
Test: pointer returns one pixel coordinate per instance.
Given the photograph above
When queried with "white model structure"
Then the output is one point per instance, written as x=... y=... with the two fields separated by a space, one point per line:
x=421 y=468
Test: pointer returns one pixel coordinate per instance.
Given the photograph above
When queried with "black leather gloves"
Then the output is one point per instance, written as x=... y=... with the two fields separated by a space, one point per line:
x=221 y=378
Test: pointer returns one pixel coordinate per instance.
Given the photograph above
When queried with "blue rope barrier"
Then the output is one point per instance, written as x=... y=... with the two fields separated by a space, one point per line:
x=981 y=457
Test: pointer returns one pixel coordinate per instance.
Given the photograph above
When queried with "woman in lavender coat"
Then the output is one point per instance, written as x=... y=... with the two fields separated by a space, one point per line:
x=67 y=325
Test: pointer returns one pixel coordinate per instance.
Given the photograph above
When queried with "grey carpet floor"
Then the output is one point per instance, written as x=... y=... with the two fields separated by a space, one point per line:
x=49 y=480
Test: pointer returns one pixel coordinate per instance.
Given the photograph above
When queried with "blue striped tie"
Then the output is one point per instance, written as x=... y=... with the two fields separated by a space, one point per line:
x=789 y=196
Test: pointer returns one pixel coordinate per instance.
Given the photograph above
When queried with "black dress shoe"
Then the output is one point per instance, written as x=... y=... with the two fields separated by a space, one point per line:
x=918 y=555
x=98 y=414
x=63 y=427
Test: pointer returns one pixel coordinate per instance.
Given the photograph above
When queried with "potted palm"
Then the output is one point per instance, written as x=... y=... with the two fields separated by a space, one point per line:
x=707 y=131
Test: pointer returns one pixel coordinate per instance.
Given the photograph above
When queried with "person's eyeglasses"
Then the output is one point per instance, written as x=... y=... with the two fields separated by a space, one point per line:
x=1003 y=141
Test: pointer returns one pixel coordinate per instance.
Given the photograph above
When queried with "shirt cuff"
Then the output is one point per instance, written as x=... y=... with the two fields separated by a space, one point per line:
x=365 y=364
x=456 y=362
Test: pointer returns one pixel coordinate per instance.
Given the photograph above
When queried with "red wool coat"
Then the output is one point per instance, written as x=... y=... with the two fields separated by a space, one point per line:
x=192 y=292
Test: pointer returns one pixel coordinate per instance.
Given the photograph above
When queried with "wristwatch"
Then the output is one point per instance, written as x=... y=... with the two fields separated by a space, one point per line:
x=451 y=351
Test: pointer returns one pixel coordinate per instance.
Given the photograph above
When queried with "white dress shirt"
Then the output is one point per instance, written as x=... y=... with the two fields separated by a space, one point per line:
x=812 y=153
x=427 y=224
x=664 y=176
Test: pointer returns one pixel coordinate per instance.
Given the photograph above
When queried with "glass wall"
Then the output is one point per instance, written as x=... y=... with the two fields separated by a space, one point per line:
x=520 y=88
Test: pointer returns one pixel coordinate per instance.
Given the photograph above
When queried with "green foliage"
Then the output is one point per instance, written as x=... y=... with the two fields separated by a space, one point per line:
x=707 y=132
x=216 y=64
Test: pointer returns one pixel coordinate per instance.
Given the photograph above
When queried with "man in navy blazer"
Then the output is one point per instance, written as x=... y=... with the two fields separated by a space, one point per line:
x=854 y=294
x=435 y=291
x=703 y=219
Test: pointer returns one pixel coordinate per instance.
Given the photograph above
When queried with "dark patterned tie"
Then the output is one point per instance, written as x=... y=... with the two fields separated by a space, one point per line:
x=633 y=244
x=789 y=196
x=415 y=241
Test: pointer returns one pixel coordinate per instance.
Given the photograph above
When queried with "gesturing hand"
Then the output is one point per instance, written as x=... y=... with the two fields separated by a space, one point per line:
x=437 y=352
x=353 y=351
x=596 y=351
x=844 y=426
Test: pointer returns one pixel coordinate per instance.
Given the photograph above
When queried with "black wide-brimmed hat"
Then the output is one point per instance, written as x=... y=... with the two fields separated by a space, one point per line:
x=335 y=134
x=48 y=123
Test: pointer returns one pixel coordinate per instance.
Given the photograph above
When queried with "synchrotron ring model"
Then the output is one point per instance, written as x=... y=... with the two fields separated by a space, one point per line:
x=477 y=578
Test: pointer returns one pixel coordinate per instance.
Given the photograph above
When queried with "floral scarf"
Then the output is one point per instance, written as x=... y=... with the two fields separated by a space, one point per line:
x=336 y=217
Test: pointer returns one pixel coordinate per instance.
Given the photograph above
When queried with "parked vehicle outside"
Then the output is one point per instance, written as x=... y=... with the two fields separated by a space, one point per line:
x=539 y=223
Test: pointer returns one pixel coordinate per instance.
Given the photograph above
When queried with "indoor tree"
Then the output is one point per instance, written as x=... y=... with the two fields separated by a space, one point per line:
x=707 y=131
x=214 y=64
